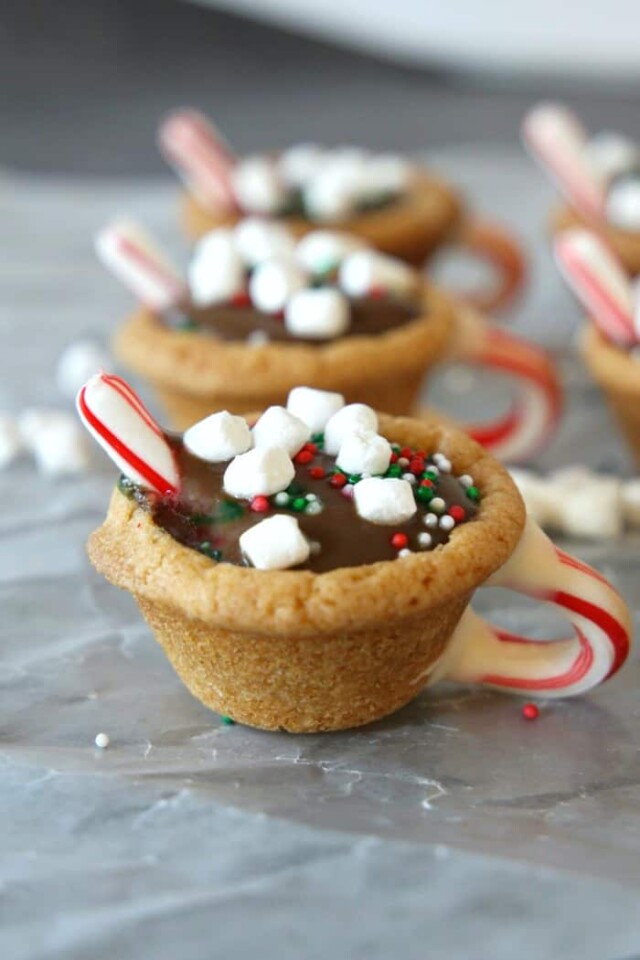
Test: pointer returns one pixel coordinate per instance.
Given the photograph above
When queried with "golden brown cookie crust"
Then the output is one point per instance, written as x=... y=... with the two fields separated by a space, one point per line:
x=625 y=244
x=426 y=217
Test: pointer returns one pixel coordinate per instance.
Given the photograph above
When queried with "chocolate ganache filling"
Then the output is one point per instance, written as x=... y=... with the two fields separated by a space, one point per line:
x=205 y=518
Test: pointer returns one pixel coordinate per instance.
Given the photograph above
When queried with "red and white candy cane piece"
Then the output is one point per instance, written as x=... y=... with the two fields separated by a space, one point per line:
x=600 y=282
x=556 y=139
x=537 y=406
x=130 y=254
x=481 y=653
x=114 y=414
x=197 y=152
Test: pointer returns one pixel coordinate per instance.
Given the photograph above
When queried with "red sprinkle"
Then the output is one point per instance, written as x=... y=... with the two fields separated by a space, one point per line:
x=259 y=504
x=407 y=453
x=305 y=456
x=399 y=541
x=317 y=473
x=377 y=291
x=241 y=299
x=311 y=447
x=530 y=711
x=338 y=480
x=457 y=513
x=426 y=482
x=417 y=465
x=394 y=457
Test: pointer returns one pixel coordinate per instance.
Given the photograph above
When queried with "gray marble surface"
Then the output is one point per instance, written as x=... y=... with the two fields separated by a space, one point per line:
x=451 y=830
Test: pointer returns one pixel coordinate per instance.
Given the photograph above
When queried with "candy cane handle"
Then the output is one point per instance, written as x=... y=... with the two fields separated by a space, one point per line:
x=502 y=252
x=537 y=406
x=482 y=653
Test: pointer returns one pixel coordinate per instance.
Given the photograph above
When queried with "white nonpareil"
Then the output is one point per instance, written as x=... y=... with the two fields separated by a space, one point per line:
x=278 y=427
x=257 y=240
x=364 y=270
x=216 y=271
x=384 y=500
x=275 y=544
x=257 y=185
x=364 y=453
x=218 y=437
x=322 y=250
x=314 y=407
x=318 y=313
x=355 y=416
x=259 y=472
x=273 y=282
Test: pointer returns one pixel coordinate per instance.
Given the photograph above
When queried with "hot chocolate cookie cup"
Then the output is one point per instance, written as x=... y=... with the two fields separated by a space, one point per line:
x=194 y=374
x=624 y=243
x=618 y=375
x=310 y=652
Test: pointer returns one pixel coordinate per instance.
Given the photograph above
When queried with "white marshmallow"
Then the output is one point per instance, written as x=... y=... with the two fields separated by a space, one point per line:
x=364 y=453
x=218 y=437
x=278 y=427
x=331 y=195
x=314 y=407
x=611 y=154
x=631 y=502
x=275 y=543
x=257 y=240
x=323 y=250
x=216 y=272
x=301 y=162
x=386 y=173
x=354 y=417
x=258 y=186
x=78 y=363
x=259 y=472
x=623 y=204
x=10 y=441
x=272 y=283
x=384 y=500
x=365 y=269
x=36 y=420
x=587 y=504
x=538 y=495
x=62 y=449
x=318 y=314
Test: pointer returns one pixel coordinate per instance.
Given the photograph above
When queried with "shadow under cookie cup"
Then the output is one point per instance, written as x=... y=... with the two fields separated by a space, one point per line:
x=618 y=375
x=624 y=243
x=193 y=374
x=308 y=652
x=410 y=228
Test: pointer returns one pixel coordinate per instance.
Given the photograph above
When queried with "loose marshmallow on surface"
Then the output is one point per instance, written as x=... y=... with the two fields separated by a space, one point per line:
x=218 y=437
x=623 y=204
x=320 y=313
x=332 y=193
x=78 y=363
x=258 y=186
x=275 y=543
x=611 y=154
x=259 y=472
x=273 y=282
x=62 y=450
x=10 y=441
x=353 y=417
x=365 y=270
x=384 y=500
x=314 y=407
x=586 y=504
x=538 y=495
x=257 y=240
x=322 y=250
x=216 y=272
x=278 y=427
x=631 y=502
x=301 y=162
x=364 y=453
x=387 y=173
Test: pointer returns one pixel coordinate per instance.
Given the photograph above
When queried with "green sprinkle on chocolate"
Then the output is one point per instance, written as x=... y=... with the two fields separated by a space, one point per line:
x=127 y=487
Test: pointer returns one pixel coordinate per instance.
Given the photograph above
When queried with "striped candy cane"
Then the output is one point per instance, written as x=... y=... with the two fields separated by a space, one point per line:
x=197 y=152
x=600 y=282
x=131 y=255
x=116 y=417
x=482 y=653
x=556 y=139
x=537 y=407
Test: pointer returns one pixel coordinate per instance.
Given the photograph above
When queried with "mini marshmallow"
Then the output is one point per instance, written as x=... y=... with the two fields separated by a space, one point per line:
x=364 y=453
x=612 y=154
x=332 y=193
x=257 y=240
x=314 y=407
x=386 y=173
x=216 y=272
x=275 y=543
x=631 y=502
x=586 y=504
x=320 y=313
x=272 y=283
x=323 y=250
x=257 y=185
x=354 y=417
x=37 y=420
x=78 y=363
x=259 y=472
x=623 y=203
x=278 y=427
x=363 y=270
x=62 y=450
x=301 y=162
x=10 y=441
x=384 y=500
x=539 y=498
x=218 y=437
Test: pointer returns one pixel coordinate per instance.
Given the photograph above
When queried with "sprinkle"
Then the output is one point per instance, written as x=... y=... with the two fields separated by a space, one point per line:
x=443 y=463
x=347 y=490
x=299 y=504
x=430 y=520
x=317 y=473
x=446 y=522
x=259 y=504
x=410 y=477
x=404 y=553
x=425 y=494
x=102 y=741
x=465 y=480
x=406 y=452
x=338 y=480
x=473 y=493
x=457 y=513
x=530 y=711
x=311 y=447
x=416 y=465
x=438 y=505
x=311 y=496
x=241 y=299
x=399 y=541
x=395 y=470
x=228 y=721
x=303 y=457
x=425 y=540
x=394 y=457
x=281 y=499
x=313 y=508
x=315 y=547
x=403 y=462
x=432 y=472
x=377 y=292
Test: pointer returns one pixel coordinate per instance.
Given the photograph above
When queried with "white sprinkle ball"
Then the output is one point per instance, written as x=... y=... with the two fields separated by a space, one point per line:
x=281 y=499
x=447 y=523
x=102 y=741
x=257 y=338
x=430 y=520
x=465 y=480
x=410 y=477
x=443 y=462
x=403 y=462
x=438 y=505
x=313 y=508
x=404 y=553
x=425 y=540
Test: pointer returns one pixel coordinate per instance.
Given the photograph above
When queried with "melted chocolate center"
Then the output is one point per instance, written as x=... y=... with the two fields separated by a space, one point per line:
x=206 y=519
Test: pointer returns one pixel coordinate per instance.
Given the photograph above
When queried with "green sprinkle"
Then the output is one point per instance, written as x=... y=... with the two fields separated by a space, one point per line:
x=394 y=471
x=473 y=493
x=425 y=494
x=431 y=475
x=295 y=488
x=227 y=510
x=355 y=477
x=126 y=487
x=209 y=550
x=396 y=447
x=318 y=439
x=199 y=519
x=299 y=504
x=228 y=721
